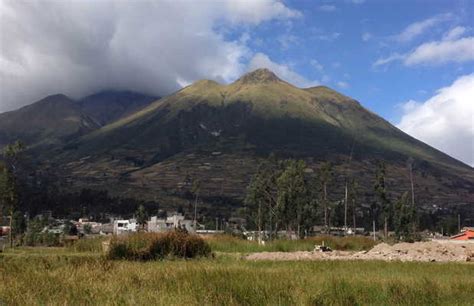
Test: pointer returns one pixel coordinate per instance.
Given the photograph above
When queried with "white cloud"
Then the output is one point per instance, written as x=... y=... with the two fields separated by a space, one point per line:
x=283 y=71
x=317 y=65
x=328 y=36
x=417 y=28
x=327 y=8
x=386 y=60
x=366 y=36
x=446 y=120
x=244 y=11
x=454 y=33
x=287 y=40
x=342 y=84
x=440 y=52
x=78 y=47
x=357 y=1
x=434 y=53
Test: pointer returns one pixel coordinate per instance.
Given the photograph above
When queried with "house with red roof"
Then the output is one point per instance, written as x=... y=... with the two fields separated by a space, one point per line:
x=467 y=233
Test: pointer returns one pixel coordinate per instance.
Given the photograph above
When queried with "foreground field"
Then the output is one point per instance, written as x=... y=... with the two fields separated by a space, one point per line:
x=60 y=276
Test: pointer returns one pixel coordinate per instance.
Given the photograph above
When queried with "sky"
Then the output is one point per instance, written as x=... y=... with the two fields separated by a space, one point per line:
x=411 y=62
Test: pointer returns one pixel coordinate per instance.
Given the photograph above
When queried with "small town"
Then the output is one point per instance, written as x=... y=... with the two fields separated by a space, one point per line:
x=60 y=232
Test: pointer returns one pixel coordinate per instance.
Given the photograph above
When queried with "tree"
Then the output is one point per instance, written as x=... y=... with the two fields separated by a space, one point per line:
x=410 y=163
x=346 y=188
x=141 y=216
x=261 y=199
x=325 y=178
x=70 y=228
x=352 y=198
x=87 y=229
x=19 y=224
x=292 y=195
x=12 y=155
x=256 y=198
x=404 y=218
x=382 y=202
x=8 y=181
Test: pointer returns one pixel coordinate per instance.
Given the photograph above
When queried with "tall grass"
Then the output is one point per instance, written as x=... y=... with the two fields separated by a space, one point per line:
x=93 y=244
x=227 y=243
x=81 y=280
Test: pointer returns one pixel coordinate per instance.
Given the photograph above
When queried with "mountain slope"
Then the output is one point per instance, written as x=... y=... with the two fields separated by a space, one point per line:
x=57 y=119
x=48 y=121
x=219 y=134
x=294 y=119
x=109 y=106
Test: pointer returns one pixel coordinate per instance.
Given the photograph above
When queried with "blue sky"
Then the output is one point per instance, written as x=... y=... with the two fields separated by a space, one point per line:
x=346 y=39
x=412 y=62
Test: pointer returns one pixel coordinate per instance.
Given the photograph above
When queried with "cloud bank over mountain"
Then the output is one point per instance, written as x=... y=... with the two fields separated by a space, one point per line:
x=79 y=47
x=446 y=120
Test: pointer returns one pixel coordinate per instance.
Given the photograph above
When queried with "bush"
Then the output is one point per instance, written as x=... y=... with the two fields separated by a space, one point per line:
x=151 y=246
x=42 y=239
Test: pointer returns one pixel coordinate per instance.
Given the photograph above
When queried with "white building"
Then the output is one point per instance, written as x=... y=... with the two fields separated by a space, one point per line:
x=125 y=226
x=170 y=223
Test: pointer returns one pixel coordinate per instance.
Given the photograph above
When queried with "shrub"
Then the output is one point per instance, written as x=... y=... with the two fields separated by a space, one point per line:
x=151 y=246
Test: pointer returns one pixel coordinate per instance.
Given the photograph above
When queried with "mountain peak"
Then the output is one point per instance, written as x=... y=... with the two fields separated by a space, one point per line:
x=262 y=75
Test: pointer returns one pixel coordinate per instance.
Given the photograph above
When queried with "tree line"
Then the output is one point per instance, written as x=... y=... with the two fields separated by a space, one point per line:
x=282 y=195
x=287 y=195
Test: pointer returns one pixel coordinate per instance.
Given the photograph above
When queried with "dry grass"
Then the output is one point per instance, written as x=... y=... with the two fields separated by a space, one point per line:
x=226 y=243
x=69 y=279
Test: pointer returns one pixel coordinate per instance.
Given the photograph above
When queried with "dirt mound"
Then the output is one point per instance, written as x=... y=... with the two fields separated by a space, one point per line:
x=442 y=251
x=300 y=255
x=420 y=251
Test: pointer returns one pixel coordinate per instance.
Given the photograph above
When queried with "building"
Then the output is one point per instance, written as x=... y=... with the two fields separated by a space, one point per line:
x=125 y=226
x=467 y=233
x=156 y=225
x=4 y=230
x=170 y=223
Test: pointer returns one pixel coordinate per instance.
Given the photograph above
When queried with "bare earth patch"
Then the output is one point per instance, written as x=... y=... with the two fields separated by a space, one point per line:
x=433 y=251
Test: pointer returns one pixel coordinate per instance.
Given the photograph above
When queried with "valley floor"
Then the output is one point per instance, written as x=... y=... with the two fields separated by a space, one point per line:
x=59 y=276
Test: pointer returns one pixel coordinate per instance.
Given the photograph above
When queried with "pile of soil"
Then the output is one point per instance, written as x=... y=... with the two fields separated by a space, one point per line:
x=420 y=251
x=433 y=251
x=300 y=255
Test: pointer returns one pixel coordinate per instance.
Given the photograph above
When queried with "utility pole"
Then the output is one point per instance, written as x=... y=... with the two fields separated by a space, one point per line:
x=345 y=207
x=217 y=224
x=459 y=222
x=11 y=230
x=195 y=214
x=373 y=227
x=195 y=189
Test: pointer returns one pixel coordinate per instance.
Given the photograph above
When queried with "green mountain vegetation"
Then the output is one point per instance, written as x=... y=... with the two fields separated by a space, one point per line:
x=219 y=134
x=47 y=121
x=57 y=119
x=261 y=111
x=109 y=106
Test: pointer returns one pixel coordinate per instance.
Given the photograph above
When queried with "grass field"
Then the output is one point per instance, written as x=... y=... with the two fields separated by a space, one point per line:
x=62 y=276
x=225 y=243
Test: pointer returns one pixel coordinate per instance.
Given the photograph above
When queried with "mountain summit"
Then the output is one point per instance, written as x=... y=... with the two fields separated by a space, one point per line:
x=261 y=75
